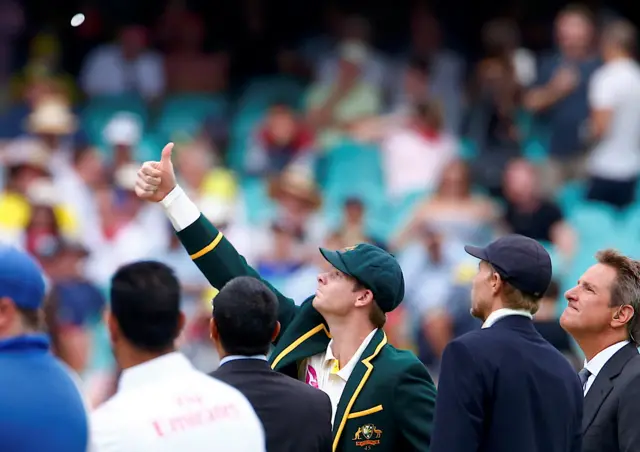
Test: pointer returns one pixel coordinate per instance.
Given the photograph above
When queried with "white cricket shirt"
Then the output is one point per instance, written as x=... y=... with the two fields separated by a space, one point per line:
x=166 y=405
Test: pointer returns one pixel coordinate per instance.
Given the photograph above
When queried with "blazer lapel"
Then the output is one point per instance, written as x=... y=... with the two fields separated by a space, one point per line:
x=356 y=382
x=310 y=343
x=603 y=384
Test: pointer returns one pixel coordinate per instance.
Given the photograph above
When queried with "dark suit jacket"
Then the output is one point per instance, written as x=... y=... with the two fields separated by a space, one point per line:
x=295 y=416
x=611 y=419
x=388 y=402
x=506 y=389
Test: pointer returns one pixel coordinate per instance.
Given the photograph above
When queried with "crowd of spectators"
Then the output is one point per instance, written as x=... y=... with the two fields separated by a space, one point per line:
x=420 y=152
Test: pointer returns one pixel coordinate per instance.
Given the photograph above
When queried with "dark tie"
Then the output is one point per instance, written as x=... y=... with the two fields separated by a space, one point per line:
x=584 y=375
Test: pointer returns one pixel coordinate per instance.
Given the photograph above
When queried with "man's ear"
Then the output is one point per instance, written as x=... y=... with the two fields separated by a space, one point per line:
x=622 y=316
x=213 y=330
x=276 y=331
x=112 y=326
x=182 y=321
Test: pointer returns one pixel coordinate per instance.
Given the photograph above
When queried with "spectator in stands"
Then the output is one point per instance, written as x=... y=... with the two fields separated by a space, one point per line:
x=122 y=133
x=203 y=175
x=446 y=68
x=356 y=29
x=495 y=95
x=188 y=68
x=75 y=304
x=280 y=141
x=43 y=230
x=354 y=228
x=45 y=62
x=559 y=95
x=415 y=147
x=298 y=199
x=614 y=96
x=130 y=230
x=53 y=123
x=124 y=68
x=159 y=392
x=36 y=389
x=286 y=254
x=528 y=213
x=332 y=107
x=467 y=217
x=432 y=266
x=78 y=187
x=25 y=161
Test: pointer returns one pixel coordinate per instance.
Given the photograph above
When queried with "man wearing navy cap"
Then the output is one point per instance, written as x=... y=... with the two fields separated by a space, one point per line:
x=503 y=388
x=382 y=398
x=41 y=407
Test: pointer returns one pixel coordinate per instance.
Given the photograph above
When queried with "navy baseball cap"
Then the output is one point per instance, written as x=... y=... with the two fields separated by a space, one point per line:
x=519 y=260
x=374 y=268
x=21 y=278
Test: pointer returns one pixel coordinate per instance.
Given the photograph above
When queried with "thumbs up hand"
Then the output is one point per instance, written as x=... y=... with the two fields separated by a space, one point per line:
x=156 y=179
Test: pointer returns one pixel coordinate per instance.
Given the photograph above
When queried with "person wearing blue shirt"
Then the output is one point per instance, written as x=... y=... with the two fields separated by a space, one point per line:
x=41 y=407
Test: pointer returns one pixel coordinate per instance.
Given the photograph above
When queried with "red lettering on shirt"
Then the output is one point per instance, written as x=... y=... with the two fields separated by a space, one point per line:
x=196 y=418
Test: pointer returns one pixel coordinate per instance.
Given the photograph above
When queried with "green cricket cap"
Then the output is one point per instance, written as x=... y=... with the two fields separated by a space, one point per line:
x=372 y=267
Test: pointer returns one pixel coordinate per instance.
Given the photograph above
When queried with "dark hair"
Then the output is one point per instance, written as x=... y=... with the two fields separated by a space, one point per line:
x=145 y=300
x=246 y=314
x=420 y=64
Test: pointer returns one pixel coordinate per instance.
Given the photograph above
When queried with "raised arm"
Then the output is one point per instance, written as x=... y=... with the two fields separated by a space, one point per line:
x=216 y=258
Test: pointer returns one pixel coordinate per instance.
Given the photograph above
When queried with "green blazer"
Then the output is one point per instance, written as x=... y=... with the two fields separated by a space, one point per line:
x=388 y=402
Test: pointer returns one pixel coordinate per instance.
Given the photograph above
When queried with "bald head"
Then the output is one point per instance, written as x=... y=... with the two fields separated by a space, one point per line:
x=619 y=38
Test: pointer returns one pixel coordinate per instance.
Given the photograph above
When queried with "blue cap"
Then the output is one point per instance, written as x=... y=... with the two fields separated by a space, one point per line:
x=20 y=278
x=519 y=260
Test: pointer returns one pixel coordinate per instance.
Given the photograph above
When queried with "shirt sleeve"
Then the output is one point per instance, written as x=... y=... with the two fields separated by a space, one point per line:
x=602 y=91
x=180 y=210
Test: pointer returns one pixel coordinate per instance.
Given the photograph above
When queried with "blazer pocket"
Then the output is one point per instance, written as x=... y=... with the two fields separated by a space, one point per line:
x=358 y=414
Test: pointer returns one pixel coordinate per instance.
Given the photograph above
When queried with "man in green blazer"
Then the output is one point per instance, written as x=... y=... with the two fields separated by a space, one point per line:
x=383 y=398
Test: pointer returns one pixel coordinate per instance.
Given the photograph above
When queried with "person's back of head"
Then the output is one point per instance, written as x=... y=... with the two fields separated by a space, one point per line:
x=35 y=388
x=619 y=38
x=145 y=315
x=245 y=318
x=22 y=292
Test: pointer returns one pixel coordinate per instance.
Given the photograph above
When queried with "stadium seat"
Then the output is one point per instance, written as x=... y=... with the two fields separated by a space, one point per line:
x=98 y=111
x=571 y=195
x=186 y=114
x=262 y=92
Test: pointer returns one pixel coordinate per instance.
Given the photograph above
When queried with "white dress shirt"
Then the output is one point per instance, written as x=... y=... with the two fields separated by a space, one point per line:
x=596 y=363
x=165 y=405
x=504 y=312
x=323 y=371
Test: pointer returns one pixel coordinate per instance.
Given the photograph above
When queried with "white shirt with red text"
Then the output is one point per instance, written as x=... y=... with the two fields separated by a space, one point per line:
x=165 y=405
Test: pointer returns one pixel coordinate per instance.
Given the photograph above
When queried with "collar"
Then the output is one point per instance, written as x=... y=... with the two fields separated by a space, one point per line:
x=345 y=372
x=504 y=312
x=28 y=342
x=226 y=359
x=596 y=363
x=162 y=367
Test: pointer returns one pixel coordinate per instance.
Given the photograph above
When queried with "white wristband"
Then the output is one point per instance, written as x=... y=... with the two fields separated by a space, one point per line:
x=181 y=211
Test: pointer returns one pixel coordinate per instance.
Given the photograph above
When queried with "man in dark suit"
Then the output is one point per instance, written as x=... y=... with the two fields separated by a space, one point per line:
x=603 y=317
x=295 y=416
x=504 y=388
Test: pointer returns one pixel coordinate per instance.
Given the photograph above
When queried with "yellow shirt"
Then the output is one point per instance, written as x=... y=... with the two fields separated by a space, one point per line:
x=15 y=213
